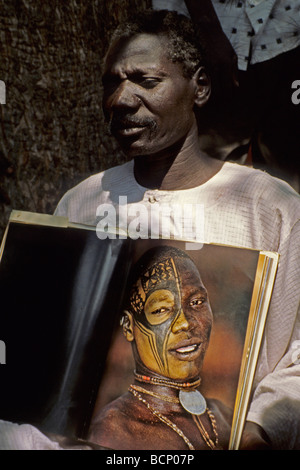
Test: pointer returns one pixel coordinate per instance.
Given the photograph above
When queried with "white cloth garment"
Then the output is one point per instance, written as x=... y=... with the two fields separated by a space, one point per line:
x=257 y=29
x=15 y=436
x=241 y=207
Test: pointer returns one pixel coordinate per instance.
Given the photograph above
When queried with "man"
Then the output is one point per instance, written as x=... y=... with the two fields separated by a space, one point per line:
x=154 y=78
x=168 y=322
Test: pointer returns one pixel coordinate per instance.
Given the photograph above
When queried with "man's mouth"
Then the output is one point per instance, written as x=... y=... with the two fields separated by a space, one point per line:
x=130 y=131
x=187 y=350
x=130 y=127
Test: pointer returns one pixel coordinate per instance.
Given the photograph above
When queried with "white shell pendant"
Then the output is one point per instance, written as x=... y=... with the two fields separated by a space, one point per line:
x=193 y=402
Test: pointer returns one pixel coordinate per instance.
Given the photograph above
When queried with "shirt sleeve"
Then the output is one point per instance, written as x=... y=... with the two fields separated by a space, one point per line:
x=276 y=400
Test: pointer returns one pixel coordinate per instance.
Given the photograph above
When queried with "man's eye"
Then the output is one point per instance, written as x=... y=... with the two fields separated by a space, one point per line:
x=159 y=311
x=196 y=302
x=149 y=82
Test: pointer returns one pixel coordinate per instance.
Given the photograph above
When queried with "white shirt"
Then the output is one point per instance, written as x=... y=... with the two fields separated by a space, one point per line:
x=15 y=436
x=241 y=207
x=257 y=29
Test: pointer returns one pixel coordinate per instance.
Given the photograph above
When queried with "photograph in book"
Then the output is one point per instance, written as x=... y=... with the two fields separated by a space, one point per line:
x=160 y=337
x=192 y=318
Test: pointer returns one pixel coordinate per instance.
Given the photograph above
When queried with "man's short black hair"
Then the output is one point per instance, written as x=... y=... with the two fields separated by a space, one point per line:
x=185 y=43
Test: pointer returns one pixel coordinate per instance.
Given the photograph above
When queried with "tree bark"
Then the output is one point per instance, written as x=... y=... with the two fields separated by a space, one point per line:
x=52 y=133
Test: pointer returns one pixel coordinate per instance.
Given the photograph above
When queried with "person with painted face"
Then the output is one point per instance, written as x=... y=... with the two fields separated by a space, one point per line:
x=168 y=320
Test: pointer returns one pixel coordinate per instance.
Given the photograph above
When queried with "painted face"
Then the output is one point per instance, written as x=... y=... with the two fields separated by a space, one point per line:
x=147 y=100
x=172 y=319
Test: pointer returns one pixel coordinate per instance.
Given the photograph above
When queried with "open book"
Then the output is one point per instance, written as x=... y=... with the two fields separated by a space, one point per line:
x=62 y=291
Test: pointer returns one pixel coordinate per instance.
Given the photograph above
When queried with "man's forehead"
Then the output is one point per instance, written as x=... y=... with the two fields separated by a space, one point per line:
x=171 y=269
x=172 y=273
x=144 y=49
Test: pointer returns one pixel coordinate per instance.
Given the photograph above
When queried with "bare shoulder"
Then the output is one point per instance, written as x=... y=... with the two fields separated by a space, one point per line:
x=114 y=424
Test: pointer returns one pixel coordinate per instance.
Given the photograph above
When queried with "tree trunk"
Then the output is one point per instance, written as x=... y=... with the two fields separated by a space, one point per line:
x=52 y=133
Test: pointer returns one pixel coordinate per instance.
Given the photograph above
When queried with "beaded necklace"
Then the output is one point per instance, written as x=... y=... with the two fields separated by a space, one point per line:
x=167 y=382
x=161 y=417
x=137 y=391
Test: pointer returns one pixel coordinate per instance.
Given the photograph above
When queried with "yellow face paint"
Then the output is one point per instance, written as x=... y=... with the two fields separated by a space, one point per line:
x=172 y=319
x=159 y=306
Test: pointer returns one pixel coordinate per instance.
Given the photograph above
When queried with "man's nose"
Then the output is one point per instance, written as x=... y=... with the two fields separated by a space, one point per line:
x=181 y=323
x=124 y=97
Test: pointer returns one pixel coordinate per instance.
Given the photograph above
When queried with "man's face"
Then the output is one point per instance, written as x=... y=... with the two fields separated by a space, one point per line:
x=147 y=100
x=172 y=327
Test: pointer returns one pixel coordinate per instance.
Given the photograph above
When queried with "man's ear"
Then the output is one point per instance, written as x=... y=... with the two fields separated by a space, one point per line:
x=202 y=87
x=127 y=325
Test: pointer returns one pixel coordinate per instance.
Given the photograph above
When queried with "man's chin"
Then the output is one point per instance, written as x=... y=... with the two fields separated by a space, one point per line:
x=185 y=371
x=131 y=148
x=136 y=152
x=136 y=147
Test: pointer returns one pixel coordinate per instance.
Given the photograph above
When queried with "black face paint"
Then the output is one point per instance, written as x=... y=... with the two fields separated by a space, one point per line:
x=156 y=302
